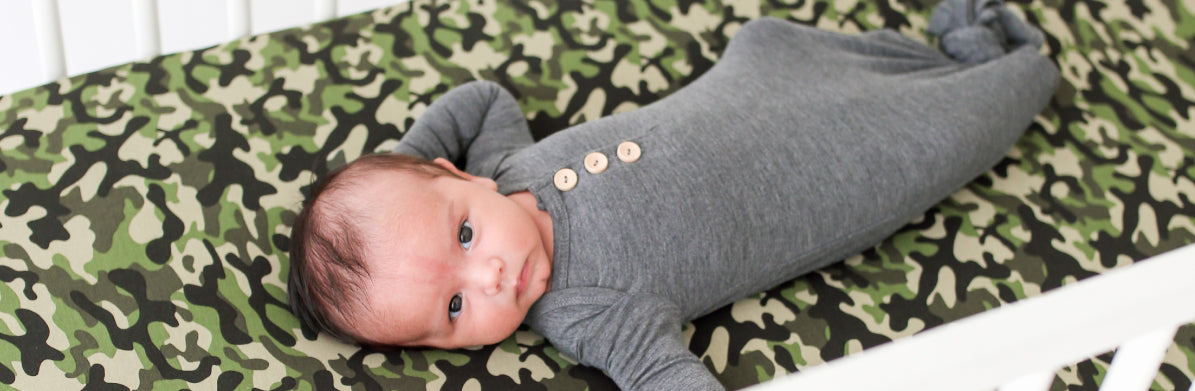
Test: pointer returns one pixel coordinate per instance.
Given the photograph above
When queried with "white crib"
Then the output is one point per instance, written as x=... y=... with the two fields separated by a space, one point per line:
x=1020 y=346
x=1017 y=347
x=56 y=38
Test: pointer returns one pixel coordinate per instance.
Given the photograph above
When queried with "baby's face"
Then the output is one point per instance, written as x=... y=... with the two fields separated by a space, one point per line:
x=452 y=262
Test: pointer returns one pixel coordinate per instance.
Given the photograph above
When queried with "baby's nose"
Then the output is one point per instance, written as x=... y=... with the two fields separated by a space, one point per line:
x=489 y=276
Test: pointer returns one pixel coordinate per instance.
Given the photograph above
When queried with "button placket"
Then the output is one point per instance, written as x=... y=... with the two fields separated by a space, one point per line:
x=566 y=179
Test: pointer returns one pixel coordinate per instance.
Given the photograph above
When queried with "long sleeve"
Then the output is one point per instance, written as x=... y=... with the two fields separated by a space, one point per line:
x=475 y=125
x=636 y=339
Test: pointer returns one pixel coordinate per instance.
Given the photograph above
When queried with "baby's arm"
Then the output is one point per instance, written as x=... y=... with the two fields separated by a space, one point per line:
x=475 y=125
x=636 y=339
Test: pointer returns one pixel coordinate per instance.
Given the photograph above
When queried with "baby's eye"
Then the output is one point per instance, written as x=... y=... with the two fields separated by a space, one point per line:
x=465 y=235
x=454 y=306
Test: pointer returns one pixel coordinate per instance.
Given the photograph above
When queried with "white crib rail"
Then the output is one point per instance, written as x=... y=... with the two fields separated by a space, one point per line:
x=1021 y=345
x=43 y=40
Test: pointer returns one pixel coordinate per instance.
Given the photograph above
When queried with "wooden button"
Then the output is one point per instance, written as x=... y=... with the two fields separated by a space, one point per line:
x=596 y=162
x=629 y=152
x=565 y=179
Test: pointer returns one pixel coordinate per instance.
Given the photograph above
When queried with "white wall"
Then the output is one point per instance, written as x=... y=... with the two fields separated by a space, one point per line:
x=44 y=40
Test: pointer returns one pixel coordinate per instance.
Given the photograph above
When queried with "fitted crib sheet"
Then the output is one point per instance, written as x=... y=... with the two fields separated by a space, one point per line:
x=146 y=207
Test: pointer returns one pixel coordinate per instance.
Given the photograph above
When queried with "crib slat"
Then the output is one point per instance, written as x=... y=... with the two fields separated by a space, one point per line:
x=272 y=15
x=1136 y=362
x=189 y=25
x=325 y=9
x=100 y=33
x=1036 y=381
x=238 y=18
x=29 y=32
x=145 y=24
x=349 y=7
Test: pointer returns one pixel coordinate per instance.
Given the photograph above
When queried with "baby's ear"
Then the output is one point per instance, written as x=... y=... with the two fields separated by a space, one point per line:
x=487 y=182
x=447 y=165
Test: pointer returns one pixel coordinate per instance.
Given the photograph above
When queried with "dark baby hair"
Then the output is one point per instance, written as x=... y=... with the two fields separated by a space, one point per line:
x=327 y=265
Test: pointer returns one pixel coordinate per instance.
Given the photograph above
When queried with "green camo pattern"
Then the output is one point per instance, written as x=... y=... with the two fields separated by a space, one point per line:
x=146 y=207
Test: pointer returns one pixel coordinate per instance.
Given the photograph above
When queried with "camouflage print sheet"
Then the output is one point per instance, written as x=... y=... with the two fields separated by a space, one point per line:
x=146 y=207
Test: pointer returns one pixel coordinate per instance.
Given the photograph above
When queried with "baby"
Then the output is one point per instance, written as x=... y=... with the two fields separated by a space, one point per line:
x=799 y=148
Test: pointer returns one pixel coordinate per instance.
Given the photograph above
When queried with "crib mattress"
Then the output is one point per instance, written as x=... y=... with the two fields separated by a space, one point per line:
x=146 y=207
